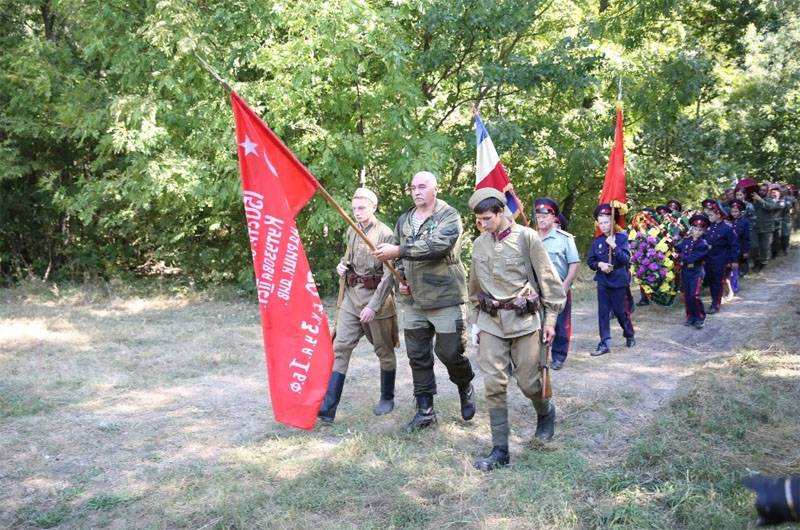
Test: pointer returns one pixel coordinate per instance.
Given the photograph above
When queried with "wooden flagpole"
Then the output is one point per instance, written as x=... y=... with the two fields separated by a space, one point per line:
x=327 y=196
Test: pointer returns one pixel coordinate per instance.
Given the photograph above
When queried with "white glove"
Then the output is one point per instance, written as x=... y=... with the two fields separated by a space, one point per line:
x=475 y=334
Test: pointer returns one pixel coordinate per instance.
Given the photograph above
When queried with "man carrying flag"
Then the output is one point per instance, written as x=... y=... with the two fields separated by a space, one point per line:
x=609 y=255
x=297 y=341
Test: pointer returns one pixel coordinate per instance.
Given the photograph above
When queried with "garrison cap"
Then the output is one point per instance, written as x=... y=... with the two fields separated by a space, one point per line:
x=700 y=220
x=675 y=204
x=365 y=193
x=546 y=205
x=774 y=186
x=602 y=209
x=481 y=194
x=713 y=204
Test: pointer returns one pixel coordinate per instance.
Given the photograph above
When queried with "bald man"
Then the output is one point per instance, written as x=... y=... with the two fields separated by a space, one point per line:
x=367 y=308
x=427 y=244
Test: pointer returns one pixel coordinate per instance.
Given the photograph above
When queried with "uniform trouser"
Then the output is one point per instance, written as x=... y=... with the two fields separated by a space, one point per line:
x=760 y=246
x=501 y=358
x=785 y=236
x=446 y=324
x=613 y=299
x=692 y=284
x=381 y=333
x=560 y=347
x=716 y=273
x=776 y=241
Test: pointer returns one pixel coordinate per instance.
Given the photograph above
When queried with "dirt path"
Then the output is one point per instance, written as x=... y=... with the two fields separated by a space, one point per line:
x=113 y=394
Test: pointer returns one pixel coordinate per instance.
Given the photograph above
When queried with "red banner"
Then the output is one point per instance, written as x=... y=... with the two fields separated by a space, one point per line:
x=614 y=187
x=297 y=342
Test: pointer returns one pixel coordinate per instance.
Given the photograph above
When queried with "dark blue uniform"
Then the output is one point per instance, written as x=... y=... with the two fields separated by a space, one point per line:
x=612 y=288
x=693 y=253
x=741 y=228
x=723 y=249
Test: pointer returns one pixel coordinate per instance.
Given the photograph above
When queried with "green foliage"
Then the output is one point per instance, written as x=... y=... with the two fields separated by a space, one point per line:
x=117 y=150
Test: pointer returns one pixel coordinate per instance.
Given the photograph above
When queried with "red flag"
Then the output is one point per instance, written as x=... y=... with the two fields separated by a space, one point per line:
x=614 y=190
x=297 y=341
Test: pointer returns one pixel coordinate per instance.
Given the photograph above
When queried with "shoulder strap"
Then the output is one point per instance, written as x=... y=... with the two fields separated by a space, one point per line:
x=526 y=249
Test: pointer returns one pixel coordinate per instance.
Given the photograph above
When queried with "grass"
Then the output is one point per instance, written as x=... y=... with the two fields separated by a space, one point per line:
x=134 y=411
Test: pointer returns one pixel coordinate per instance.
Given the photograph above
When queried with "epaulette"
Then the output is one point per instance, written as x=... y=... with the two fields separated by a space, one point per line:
x=564 y=232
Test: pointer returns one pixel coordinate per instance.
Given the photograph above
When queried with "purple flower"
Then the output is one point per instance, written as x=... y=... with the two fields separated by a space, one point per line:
x=651 y=278
x=638 y=256
x=660 y=256
x=645 y=262
x=640 y=271
x=654 y=266
x=651 y=240
x=651 y=253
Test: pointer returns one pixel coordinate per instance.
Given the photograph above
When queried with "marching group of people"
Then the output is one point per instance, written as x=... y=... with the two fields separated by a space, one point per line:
x=515 y=303
x=715 y=246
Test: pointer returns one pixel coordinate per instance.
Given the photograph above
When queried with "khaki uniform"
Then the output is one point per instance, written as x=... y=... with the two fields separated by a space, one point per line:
x=510 y=343
x=382 y=332
x=431 y=264
x=761 y=234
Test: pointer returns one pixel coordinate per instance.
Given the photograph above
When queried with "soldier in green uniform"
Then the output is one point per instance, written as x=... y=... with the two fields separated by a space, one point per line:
x=776 y=194
x=367 y=307
x=761 y=233
x=510 y=277
x=427 y=241
x=790 y=204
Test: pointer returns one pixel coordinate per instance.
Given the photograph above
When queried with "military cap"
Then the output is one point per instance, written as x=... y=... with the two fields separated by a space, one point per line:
x=365 y=193
x=713 y=204
x=709 y=203
x=700 y=220
x=774 y=186
x=602 y=209
x=739 y=204
x=676 y=203
x=546 y=205
x=663 y=209
x=485 y=193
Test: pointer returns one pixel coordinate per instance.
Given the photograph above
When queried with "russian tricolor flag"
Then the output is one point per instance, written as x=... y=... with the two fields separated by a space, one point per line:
x=489 y=170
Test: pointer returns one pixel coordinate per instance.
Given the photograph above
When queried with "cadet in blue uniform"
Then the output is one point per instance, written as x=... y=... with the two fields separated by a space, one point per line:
x=723 y=252
x=741 y=226
x=563 y=252
x=693 y=251
x=613 y=279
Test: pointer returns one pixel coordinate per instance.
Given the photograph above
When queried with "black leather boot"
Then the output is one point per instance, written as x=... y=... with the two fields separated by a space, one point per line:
x=497 y=458
x=327 y=412
x=467 y=397
x=386 y=403
x=546 y=425
x=425 y=416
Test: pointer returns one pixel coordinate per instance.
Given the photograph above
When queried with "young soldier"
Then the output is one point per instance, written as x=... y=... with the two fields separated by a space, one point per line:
x=761 y=233
x=693 y=250
x=723 y=253
x=789 y=204
x=427 y=239
x=776 y=195
x=612 y=279
x=367 y=308
x=741 y=226
x=510 y=277
x=561 y=248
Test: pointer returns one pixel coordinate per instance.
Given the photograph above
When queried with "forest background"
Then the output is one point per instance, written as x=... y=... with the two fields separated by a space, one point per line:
x=118 y=158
